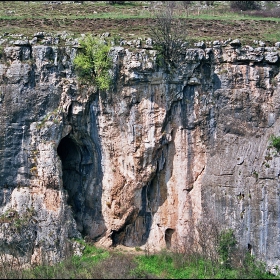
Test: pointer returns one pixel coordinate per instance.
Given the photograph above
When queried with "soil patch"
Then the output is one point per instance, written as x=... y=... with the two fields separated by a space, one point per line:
x=198 y=29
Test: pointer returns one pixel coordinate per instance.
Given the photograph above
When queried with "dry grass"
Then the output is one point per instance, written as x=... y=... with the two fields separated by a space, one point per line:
x=134 y=19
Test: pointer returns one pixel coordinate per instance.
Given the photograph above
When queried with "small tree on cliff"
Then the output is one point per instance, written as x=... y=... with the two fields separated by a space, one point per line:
x=168 y=34
x=93 y=62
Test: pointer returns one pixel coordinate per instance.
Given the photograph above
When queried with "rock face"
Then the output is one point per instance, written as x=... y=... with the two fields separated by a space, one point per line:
x=143 y=163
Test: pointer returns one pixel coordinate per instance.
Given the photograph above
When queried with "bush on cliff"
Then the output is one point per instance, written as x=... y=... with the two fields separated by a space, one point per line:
x=275 y=142
x=226 y=247
x=169 y=34
x=92 y=63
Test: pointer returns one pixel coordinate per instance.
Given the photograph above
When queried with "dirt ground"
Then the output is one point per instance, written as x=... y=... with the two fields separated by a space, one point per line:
x=197 y=28
x=57 y=18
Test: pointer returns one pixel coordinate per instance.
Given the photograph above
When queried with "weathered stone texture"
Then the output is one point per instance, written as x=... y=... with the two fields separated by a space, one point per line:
x=143 y=163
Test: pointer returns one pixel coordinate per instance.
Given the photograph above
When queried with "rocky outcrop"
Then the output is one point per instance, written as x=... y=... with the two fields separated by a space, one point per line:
x=142 y=163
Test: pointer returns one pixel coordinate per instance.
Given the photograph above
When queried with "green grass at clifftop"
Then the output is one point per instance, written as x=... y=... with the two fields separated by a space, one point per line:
x=89 y=9
x=133 y=19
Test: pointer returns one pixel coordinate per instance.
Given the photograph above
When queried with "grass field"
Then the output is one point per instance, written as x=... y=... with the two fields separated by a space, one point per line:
x=98 y=263
x=133 y=19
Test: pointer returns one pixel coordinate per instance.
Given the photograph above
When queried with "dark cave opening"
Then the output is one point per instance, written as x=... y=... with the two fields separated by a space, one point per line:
x=71 y=157
x=168 y=237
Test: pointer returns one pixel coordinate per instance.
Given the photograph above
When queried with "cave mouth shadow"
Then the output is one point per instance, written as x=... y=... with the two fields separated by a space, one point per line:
x=71 y=156
x=82 y=182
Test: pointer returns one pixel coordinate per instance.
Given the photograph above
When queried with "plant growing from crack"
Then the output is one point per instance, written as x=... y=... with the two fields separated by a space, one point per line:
x=275 y=142
x=169 y=36
x=93 y=62
x=226 y=246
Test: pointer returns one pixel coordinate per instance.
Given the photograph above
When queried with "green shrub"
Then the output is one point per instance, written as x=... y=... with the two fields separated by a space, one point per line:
x=97 y=263
x=92 y=63
x=275 y=142
x=1 y=51
x=245 y=5
x=116 y=2
x=227 y=243
x=253 y=268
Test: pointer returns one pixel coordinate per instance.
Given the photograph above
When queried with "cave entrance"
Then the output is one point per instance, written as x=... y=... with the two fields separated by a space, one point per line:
x=71 y=156
x=168 y=237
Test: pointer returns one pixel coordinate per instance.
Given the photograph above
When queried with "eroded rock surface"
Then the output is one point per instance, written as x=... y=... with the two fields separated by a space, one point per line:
x=143 y=163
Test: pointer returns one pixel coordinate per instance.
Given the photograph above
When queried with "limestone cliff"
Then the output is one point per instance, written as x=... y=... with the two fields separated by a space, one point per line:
x=142 y=163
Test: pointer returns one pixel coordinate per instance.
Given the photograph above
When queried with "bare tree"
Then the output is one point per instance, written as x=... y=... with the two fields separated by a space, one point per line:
x=115 y=2
x=168 y=33
x=245 y=5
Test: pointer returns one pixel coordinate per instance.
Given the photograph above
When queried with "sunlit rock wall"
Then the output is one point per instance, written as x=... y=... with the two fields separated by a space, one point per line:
x=143 y=163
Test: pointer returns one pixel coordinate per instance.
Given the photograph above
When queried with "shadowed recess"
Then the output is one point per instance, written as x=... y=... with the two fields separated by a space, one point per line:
x=70 y=155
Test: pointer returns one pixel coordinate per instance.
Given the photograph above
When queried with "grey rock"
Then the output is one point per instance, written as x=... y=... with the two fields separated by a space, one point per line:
x=33 y=41
x=200 y=45
x=123 y=42
x=235 y=43
x=39 y=34
x=142 y=160
x=194 y=81
x=21 y=43
x=271 y=57
x=149 y=42
x=106 y=35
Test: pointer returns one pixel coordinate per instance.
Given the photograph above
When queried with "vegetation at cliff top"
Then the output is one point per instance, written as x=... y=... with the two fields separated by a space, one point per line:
x=168 y=35
x=93 y=62
x=131 y=19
